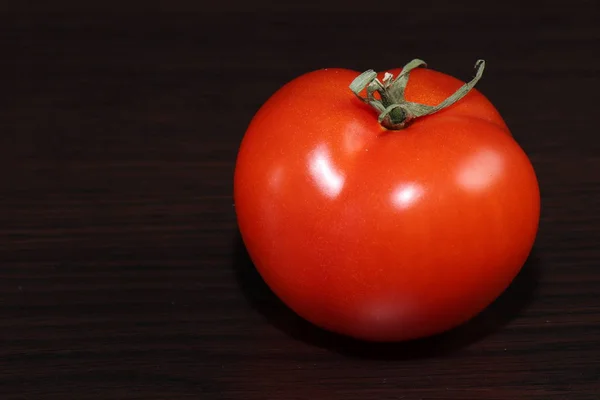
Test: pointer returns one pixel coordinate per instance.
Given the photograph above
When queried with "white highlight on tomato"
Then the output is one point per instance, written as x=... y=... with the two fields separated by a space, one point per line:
x=324 y=173
x=480 y=170
x=406 y=194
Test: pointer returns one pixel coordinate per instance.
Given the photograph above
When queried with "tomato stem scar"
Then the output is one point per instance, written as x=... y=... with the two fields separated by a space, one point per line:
x=395 y=112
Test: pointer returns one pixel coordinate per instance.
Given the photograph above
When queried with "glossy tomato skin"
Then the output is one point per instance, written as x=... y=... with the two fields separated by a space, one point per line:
x=378 y=234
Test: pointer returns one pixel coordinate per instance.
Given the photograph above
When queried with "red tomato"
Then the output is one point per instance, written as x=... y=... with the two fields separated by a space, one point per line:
x=383 y=234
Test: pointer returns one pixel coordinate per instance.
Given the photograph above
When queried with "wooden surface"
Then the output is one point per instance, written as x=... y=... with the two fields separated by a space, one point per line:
x=122 y=275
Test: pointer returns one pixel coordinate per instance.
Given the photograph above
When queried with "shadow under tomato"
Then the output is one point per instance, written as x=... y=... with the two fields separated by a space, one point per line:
x=507 y=307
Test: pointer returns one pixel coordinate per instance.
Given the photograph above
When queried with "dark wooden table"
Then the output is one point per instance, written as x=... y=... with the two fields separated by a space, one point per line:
x=122 y=275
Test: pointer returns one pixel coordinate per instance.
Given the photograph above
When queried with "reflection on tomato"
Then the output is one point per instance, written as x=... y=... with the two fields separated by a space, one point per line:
x=384 y=234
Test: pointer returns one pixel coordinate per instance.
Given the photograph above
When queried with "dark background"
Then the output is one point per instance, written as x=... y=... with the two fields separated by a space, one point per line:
x=122 y=275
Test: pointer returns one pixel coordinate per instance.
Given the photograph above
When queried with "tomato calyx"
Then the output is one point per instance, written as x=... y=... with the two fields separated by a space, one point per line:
x=395 y=112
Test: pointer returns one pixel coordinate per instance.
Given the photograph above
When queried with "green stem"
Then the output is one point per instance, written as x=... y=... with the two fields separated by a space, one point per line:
x=395 y=112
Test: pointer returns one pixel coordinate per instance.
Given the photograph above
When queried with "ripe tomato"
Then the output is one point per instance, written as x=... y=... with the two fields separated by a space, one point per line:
x=377 y=233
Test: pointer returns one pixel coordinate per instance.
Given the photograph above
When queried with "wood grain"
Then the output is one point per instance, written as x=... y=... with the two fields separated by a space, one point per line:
x=122 y=275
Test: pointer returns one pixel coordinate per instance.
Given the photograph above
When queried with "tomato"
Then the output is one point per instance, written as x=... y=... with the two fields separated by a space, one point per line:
x=378 y=233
